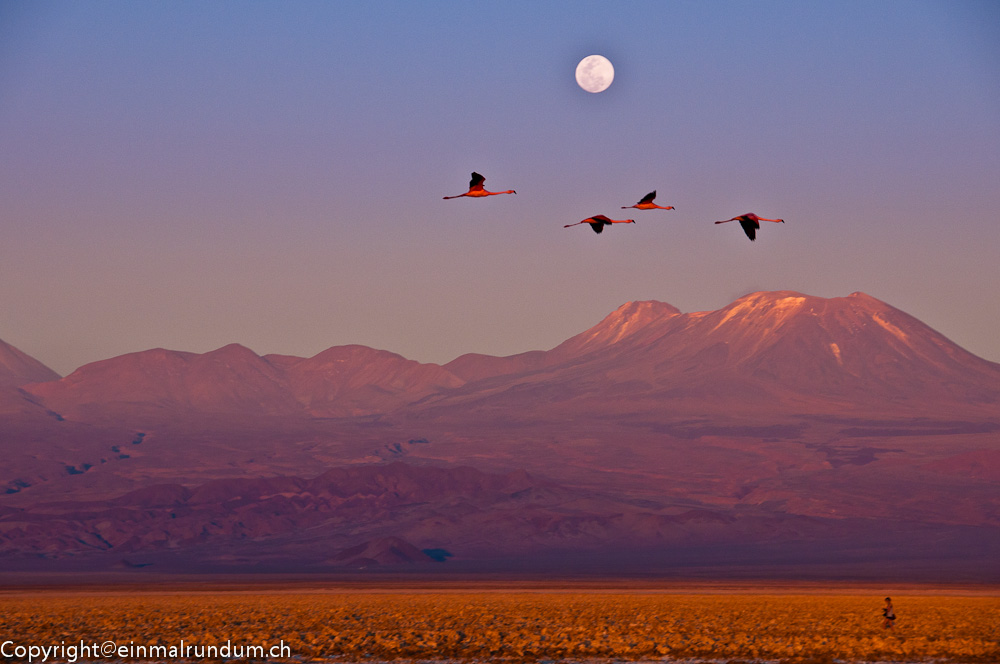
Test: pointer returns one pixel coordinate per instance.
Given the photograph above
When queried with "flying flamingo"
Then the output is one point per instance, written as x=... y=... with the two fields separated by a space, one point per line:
x=750 y=223
x=476 y=189
x=599 y=221
x=647 y=203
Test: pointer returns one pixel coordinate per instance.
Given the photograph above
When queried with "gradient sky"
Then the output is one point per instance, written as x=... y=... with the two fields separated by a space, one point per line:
x=188 y=174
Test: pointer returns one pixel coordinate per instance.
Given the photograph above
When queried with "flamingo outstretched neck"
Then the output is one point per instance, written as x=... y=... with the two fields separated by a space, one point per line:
x=647 y=203
x=476 y=189
x=599 y=221
x=750 y=223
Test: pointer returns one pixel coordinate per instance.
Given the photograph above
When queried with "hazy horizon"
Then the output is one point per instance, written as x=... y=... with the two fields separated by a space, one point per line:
x=187 y=176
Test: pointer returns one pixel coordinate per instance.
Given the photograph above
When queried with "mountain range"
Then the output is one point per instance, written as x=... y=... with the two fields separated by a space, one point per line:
x=783 y=432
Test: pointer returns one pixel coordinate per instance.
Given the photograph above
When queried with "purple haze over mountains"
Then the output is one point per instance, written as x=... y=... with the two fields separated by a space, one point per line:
x=784 y=433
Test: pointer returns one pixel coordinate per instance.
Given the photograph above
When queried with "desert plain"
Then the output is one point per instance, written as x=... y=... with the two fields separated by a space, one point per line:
x=503 y=621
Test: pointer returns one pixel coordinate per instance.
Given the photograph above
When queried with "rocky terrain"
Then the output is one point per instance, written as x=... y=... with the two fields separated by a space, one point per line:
x=781 y=430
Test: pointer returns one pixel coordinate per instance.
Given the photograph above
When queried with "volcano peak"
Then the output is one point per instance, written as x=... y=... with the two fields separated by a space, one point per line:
x=625 y=322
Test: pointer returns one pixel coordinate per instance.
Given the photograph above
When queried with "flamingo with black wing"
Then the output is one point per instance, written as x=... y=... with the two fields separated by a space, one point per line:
x=750 y=223
x=476 y=189
x=599 y=221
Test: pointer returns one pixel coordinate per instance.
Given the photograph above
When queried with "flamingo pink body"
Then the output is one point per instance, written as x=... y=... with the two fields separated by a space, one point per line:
x=750 y=223
x=599 y=221
x=476 y=189
x=647 y=203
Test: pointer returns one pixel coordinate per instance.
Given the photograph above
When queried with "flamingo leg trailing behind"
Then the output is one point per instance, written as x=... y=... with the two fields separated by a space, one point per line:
x=750 y=223
x=647 y=203
x=599 y=221
x=476 y=189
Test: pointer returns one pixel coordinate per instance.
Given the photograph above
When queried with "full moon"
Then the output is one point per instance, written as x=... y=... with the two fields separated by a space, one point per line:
x=595 y=73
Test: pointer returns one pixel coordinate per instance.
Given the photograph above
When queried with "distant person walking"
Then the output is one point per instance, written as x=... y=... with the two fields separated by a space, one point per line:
x=888 y=614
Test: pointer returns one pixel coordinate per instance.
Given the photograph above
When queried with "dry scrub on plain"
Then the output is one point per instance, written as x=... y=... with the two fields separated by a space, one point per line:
x=526 y=626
